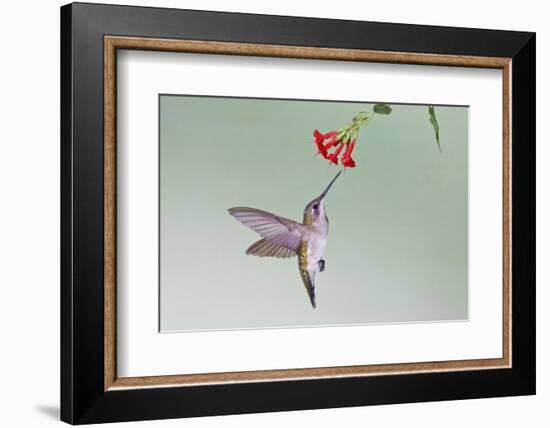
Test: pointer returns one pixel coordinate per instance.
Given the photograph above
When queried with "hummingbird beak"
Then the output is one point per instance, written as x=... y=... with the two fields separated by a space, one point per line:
x=329 y=186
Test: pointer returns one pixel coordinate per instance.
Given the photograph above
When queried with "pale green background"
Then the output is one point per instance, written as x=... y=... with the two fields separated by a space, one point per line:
x=398 y=242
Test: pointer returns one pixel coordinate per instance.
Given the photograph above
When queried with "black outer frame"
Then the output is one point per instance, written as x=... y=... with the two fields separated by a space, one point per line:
x=83 y=399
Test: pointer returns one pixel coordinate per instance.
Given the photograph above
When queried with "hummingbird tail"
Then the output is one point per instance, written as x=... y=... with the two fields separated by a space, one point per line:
x=310 y=286
x=308 y=276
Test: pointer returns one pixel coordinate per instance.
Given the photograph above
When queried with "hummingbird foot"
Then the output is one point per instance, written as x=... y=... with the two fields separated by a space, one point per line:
x=321 y=264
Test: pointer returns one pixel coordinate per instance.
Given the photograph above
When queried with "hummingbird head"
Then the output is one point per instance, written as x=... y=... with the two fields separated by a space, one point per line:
x=316 y=208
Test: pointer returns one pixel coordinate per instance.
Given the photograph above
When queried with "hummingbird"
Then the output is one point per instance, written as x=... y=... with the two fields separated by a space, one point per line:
x=285 y=238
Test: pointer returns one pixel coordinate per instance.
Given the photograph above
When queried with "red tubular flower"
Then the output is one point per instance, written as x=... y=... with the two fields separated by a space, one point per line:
x=320 y=141
x=347 y=161
x=333 y=157
x=321 y=148
x=322 y=137
x=334 y=141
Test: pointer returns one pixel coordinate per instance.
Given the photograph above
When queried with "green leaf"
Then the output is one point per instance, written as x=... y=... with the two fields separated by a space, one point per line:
x=433 y=121
x=382 y=109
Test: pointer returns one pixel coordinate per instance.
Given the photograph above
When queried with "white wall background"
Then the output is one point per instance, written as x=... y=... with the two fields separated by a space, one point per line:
x=29 y=214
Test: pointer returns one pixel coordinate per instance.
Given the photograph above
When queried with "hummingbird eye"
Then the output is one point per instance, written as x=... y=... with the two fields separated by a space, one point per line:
x=316 y=207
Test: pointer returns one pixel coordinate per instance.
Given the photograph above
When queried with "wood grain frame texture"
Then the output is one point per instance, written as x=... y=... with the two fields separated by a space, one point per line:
x=113 y=43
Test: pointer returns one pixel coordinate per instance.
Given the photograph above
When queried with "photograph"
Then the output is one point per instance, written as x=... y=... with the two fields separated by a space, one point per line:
x=346 y=213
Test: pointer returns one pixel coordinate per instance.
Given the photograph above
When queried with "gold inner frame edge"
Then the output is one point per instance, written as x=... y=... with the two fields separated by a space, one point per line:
x=113 y=43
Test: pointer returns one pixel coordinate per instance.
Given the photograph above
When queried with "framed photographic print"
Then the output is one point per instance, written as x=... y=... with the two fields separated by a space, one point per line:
x=266 y=213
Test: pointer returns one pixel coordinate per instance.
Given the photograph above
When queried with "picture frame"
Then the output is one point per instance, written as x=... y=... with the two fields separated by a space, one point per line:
x=91 y=390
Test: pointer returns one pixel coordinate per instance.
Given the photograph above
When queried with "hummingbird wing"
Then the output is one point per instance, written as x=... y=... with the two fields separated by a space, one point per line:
x=274 y=229
x=263 y=248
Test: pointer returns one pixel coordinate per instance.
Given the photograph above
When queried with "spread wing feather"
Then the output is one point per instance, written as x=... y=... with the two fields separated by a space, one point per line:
x=280 y=231
x=263 y=248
